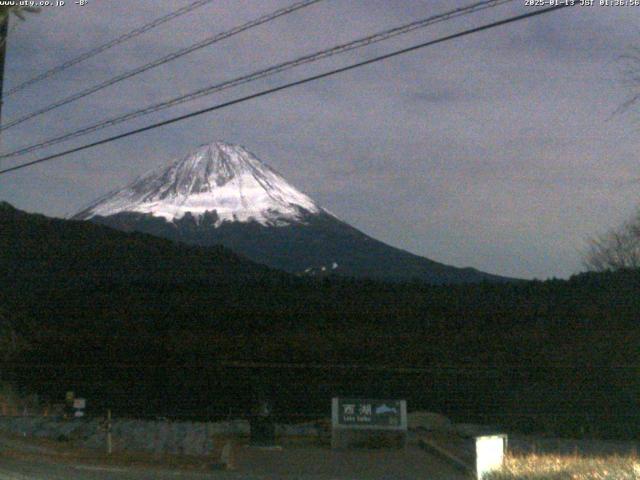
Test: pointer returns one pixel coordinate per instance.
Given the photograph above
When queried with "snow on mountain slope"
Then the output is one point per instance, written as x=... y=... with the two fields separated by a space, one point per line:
x=218 y=177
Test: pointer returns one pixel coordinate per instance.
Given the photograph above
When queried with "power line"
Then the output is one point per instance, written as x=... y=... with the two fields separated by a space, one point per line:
x=116 y=41
x=289 y=85
x=511 y=367
x=352 y=45
x=161 y=61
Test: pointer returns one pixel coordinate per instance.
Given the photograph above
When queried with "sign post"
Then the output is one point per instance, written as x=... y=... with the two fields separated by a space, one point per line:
x=68 y=404
x=359 y=418
x=263 y=428
x=79 y=404
x=106 y=425
x=109 y=439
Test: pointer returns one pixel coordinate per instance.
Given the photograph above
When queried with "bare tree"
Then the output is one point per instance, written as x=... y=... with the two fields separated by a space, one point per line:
x=630 y=62
x=17 y=11
x=617 y=249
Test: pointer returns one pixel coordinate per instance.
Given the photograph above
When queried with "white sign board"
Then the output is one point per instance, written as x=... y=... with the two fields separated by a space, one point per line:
x=490 y=450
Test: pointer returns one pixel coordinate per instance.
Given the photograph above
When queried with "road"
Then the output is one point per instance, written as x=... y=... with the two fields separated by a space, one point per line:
x=12 y=468
x=30 y=469
x=26 y=459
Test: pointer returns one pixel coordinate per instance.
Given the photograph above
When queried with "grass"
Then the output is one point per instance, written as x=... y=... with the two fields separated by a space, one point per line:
x=563 y=467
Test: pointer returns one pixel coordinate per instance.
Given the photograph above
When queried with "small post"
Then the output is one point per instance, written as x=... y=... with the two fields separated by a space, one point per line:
x=227 y=457
x=109 y=442
x=490 y=451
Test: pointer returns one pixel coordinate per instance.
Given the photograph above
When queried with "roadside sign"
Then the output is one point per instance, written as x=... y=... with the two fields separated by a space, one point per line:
x=385 y=414
x=359 y=414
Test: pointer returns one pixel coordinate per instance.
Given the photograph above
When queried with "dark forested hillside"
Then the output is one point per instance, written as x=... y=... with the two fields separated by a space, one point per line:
x=310 y=247
x=146 y=326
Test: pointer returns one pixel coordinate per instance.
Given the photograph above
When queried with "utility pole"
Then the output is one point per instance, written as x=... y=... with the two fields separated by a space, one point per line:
x=105 y=426
x=109 y=442
x=4 y=31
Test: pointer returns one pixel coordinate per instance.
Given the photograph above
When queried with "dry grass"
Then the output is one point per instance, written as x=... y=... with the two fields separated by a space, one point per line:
x=563 y=467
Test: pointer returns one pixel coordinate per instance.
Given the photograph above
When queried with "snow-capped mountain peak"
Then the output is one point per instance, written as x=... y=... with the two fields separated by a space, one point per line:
x=218 y=177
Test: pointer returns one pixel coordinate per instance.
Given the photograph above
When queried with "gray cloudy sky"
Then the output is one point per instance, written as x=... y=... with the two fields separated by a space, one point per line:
x=499 y=150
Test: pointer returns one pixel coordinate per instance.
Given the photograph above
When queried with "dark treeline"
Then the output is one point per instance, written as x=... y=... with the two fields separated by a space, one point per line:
x=149 y=327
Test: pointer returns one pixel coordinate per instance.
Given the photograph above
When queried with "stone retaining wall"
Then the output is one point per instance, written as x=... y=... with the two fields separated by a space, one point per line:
x=187 y=438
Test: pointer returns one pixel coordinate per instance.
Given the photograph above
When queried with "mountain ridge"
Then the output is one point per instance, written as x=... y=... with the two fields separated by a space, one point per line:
x=223 y=194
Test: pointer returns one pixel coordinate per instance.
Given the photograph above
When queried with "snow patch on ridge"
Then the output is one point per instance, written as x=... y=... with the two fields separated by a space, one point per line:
x=218 y=177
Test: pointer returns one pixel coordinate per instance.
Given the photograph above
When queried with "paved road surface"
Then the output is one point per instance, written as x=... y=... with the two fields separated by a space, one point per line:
x=260 y=465
x=25 y=459
x=15 y=469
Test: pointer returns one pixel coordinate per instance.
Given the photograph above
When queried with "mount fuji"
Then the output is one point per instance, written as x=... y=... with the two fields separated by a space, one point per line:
x=222 y=194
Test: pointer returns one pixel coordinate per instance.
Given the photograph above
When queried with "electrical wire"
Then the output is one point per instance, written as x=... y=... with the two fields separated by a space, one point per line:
x=290 y=85
x=322 y=54
x=116 y=41
x=161 y=61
